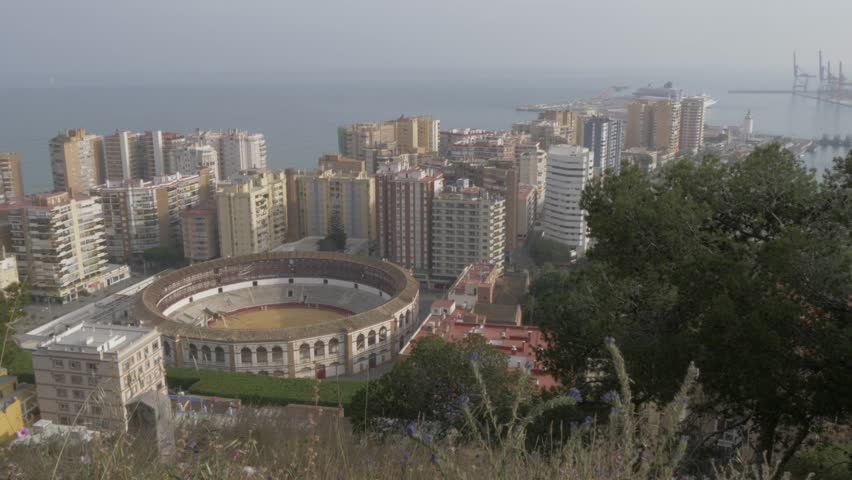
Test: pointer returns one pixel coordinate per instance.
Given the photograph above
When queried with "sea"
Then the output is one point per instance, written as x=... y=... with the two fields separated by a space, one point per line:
x=299 y=112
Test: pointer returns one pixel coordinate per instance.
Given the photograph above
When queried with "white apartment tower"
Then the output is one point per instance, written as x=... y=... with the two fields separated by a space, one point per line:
x=123 y=156
x=92 y=374
x=193 y=157
x=468 y=226
x=569 y=170
x=242 y=150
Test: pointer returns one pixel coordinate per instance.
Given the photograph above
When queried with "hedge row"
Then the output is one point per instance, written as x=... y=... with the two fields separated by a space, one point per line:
x=263 y=389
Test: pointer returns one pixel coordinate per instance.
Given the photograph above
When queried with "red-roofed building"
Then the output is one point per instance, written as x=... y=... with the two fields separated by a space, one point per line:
x=518 y=343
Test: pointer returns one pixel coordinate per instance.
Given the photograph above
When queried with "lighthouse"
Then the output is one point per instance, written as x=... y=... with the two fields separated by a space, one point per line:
x=748 y=126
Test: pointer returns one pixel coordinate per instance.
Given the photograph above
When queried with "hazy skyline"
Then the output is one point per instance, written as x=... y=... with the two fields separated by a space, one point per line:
x=106 y=37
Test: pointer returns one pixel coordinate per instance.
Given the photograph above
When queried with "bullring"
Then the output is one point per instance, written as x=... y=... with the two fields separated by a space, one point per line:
x=366 y=312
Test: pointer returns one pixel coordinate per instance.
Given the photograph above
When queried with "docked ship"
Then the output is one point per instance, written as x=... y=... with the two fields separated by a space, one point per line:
x=668 y=91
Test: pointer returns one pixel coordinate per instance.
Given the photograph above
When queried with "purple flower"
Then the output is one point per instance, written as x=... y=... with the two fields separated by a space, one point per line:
x=463 y=400
x=236 y=454
x=411 y=429
x=22 y=432
x=427 y=438
x=575 y=394
x=610 y=397
x=587 y=422
x=609 y=341
x=474 y=356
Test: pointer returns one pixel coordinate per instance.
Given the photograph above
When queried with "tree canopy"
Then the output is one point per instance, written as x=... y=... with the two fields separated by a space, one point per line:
x=335 y=240
x=433 y=384
x=745 y=268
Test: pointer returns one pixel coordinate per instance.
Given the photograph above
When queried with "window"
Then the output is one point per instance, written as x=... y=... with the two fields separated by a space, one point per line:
x=63 y=407
x=155 y=345
x=333 y=346
x=205 y=353
x=95 y=410
x=325 y=281
x=58 y=378
x=319 y=348
x=61 y=393
x=289 y=280
x=262 y=355
x=254 y=283
x=193 y=352
x=92 y=367
x=63 y=420
x=167 y=349
x=371 y=338
x=58 y=364
x=220 y=290
x=289 y=293
x=277 y=354
x=93 y=381
x=220 y=355
x=75 y=365
x=78 y=395
x=356 y=286
x=360 y=342
x=304 y=352
x=383 y=334
x=245 y=355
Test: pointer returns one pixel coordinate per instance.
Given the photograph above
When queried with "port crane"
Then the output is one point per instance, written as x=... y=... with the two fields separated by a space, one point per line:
x=800 y=77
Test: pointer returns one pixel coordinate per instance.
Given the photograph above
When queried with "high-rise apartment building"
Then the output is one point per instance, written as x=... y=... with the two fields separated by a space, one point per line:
x=528 y=207
x=403 y=135
x=654 y=124
x=252 y=211
x=8 y=269
x=352 y=197
x=691 y=124
x=200 y=234
x=123 y=157
x=404 y=200
x=152 y=155
x=92 y=374
x=532 y=164
x=468 y=226
x=501 y=178
x=59 y=243
x=604 y=137
x=339 y=163
x=140 y=215
x=11 y=178
x=76 y=161
x=242 y=150
x=193 y=157
x=569 y=170
x=173 y=144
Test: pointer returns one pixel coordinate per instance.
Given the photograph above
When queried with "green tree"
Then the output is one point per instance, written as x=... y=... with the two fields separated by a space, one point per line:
x=13 y=299
x=434 y=383
x=745 y=268
x=164 y=256
x=335 y=240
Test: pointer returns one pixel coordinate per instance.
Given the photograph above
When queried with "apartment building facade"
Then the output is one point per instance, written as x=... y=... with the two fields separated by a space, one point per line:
x=569 y=170
x=468 y=226
x=252 y=212
x=11 y=178
x=76 y=161
x=200 y=229
x=350 y=197
x=91 y=374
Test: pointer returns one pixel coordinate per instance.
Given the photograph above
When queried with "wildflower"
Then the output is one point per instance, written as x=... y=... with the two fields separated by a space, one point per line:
x=86 y=460
x=474 y=356
x=411 y=429
x=22 y=432
x=427 y=438
x=463 y=400
x=587 y=422
x=249 y=470
x=610 y=397
x=575 y=394
x=236 y=454
x=609 y=341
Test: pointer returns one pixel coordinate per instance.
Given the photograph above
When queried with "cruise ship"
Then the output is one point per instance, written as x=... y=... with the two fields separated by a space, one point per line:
x=668 y=91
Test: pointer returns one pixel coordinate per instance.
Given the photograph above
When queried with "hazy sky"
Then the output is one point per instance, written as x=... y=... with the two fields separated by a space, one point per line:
x=116 y=36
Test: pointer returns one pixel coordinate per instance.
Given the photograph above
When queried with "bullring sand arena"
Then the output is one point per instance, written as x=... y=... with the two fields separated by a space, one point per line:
x=289 y=314
x=280 y=316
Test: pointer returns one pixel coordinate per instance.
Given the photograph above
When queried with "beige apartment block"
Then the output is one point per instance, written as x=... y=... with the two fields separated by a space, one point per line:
x=90 y=374
x=323 y=195
x=77 y=161
x=252 y=211
x=11 y=178
x=200 y=234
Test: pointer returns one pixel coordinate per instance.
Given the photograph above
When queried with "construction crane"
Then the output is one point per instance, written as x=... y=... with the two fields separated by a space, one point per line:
x=800 y=77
